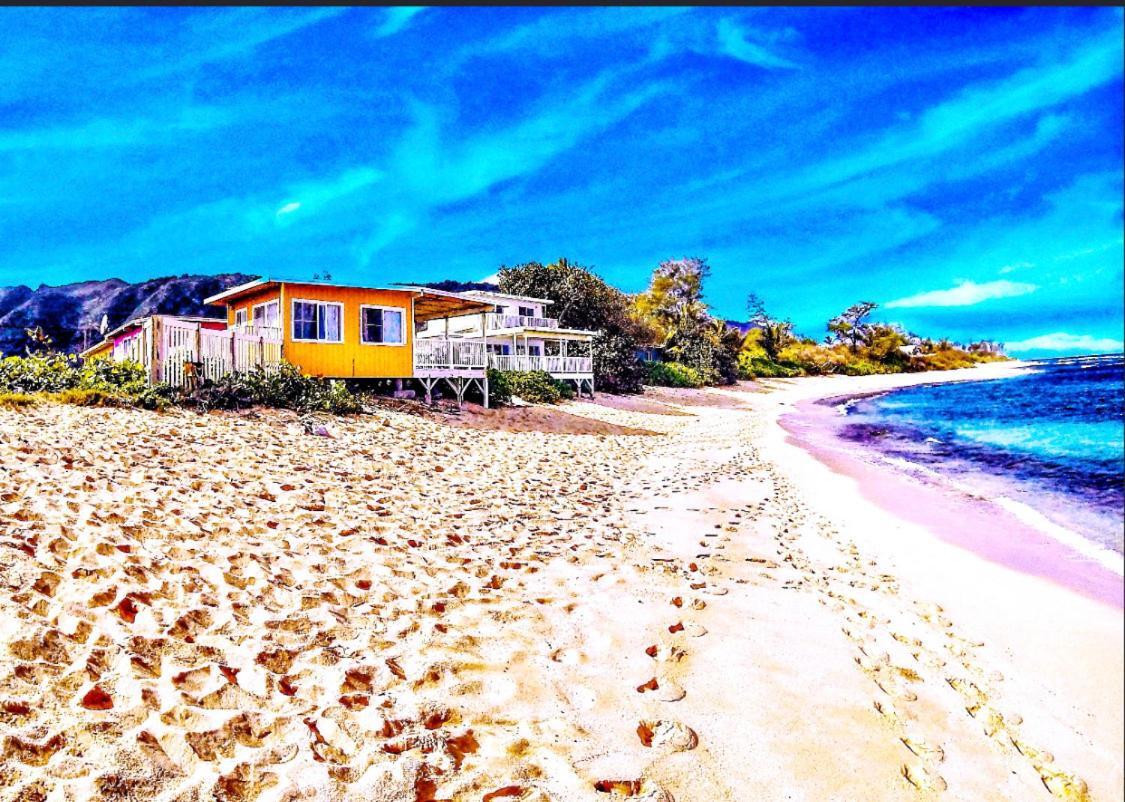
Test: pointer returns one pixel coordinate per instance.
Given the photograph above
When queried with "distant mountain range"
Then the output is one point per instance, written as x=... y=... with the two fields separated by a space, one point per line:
x=70 y=313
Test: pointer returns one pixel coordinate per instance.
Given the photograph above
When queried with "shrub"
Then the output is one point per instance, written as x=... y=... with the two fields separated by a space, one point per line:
x=87 y=397
x=53 y=372
x=284 y=387
x=751 y=366
x=499 y=388
x=535 y=386
x=39 y=373
x=673 y=374
x=17 y=400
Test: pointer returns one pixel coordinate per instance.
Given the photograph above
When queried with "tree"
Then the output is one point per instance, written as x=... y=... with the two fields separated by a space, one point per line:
x=582 y=300
x=674 y=299
x=728 y=344
x=884 y=343
x=775 y=334
x=849 y=325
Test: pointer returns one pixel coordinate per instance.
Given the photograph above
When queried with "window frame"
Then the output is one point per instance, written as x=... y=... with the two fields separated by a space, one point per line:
x=402 y=329
x=244 y=313
x=256 y=307
x=293 y=320
x=530 y=310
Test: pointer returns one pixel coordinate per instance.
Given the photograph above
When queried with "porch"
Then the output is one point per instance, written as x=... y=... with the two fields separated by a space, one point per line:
x=561 y=367
x=461 y=363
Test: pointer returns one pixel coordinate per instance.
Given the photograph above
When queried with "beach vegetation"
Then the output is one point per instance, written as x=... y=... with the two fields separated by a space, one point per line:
x=532 y=386
x=769 y=334
x=582 y=300
x=850 y=325
x=673 y=310
x=283 y=387
x=17 y=400
x=673 y=374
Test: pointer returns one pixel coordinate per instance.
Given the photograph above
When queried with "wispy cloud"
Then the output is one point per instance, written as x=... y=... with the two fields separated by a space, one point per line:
x=312 y=196
x=119 y=132
x=429 y=171
x=215 y=36
x=396 y=19
x=950 y=124
x=966 y=293
x=733 y=42
x=1062 y=341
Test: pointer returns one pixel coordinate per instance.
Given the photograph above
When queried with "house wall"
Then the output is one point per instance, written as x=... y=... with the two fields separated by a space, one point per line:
x=350 y=358
x=248 y=302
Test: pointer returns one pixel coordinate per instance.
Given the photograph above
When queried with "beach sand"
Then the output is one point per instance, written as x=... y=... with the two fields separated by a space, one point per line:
x=675 y=602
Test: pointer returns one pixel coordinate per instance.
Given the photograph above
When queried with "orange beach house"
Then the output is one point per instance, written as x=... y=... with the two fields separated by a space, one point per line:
x=350 y=332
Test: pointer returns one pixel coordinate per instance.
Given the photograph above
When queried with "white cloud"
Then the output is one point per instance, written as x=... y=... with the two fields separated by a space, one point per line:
x=288 y=208
x=493 y=279
x=1061 y=341
x=967 y=293
x=733 y=42
x=1014 y=266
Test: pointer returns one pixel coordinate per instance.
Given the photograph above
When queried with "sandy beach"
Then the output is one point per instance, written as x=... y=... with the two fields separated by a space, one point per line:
x=656 y=598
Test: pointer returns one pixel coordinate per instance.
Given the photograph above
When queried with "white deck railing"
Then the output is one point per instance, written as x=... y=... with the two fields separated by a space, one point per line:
x=443 y=354
x=551 y=364
x=495 y=320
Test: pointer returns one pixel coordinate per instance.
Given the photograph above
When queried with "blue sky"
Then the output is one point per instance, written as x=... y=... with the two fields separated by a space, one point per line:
x=961 y=167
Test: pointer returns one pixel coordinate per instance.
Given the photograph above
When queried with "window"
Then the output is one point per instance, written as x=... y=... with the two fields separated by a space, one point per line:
x=240 y=317
x=317 y=321
x=380 y=325
x=268 y=314
x=534 y=350
x=527 y=311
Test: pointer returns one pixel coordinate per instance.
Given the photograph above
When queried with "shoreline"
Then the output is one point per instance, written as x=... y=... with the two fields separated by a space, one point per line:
x=1032 y=543
x=1037 y=625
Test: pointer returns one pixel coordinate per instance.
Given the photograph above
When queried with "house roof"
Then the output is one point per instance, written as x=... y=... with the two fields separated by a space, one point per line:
x=428 y=302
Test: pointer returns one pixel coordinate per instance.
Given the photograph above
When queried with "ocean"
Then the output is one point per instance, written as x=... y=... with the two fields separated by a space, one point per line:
x=1050 y=440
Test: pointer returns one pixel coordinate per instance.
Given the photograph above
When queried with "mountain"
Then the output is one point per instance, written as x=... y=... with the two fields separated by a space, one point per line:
x=453 y=285
x=70 y=313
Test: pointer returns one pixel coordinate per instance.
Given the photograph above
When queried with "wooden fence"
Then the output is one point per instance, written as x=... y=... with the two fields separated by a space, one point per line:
x=170 y=348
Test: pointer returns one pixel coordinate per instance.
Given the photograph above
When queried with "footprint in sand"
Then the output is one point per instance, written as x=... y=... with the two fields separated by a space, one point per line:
x=641 y=790
x=922 y=778
x=671 y=736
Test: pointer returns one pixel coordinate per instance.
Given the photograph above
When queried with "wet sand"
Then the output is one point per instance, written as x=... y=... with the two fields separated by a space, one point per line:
x=674 y=604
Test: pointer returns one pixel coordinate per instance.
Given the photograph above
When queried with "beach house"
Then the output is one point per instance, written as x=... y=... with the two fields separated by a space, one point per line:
x=341 y=331
x=519 y=335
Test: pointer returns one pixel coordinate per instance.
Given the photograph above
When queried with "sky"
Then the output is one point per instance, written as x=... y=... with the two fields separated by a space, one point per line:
x=963 y=168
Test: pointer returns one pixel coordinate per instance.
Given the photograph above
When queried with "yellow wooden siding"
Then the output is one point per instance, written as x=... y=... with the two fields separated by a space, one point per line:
x=351 y=358
x=248 y=302
x=100 y=351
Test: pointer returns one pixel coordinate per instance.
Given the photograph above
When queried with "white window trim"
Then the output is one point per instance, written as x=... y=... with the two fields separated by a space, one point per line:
x=243 y=312
x=268 y=303
x=400 y=309
x=293 y=320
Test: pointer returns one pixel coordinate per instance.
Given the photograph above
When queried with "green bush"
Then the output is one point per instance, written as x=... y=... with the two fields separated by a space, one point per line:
x=535 y=386
x=673 y=374
x=53 y=372
x=499 y=388
x=284 y=387
x=751 y=366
